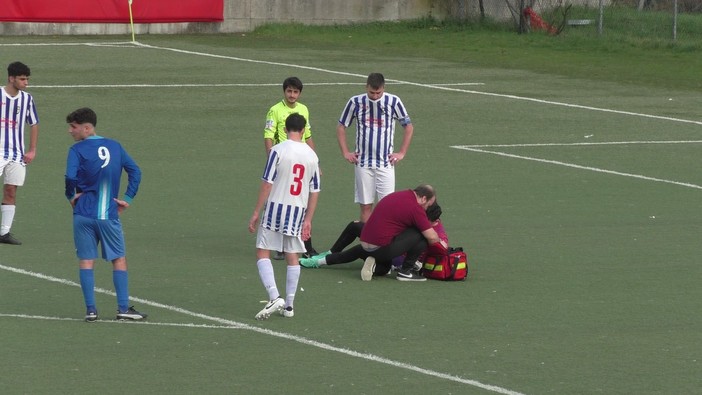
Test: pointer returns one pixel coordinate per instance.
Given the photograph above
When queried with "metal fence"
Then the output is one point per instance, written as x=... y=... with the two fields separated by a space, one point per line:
x=645 y=19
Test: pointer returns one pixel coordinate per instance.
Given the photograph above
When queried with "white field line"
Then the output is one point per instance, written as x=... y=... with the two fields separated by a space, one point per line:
x=445 y=87
x=578 y=144
x=595 y=169
x=430 y=86
x=93 y=86
x=244 y=85
x=174 y=324
x=238 y=325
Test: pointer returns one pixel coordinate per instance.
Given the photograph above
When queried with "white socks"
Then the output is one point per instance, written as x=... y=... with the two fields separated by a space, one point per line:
x=7 y=211
x=291 y=279
x=265 y=271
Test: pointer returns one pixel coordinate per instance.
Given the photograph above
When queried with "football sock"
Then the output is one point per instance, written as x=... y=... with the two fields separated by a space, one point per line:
x=265 y=271
x=121 y=281
x=308 y=246
x=8 y=214
x=291 y=279
x=87 y=285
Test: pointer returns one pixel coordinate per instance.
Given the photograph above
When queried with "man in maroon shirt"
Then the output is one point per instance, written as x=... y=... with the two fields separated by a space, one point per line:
x=397 y=226
x=337 y=255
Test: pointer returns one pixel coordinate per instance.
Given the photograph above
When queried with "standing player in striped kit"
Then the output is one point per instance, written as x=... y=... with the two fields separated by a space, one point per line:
x=375 y=113
x=17 y=110
x=287 y=200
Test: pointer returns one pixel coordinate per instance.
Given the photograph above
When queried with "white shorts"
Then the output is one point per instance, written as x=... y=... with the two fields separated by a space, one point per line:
x=267 y=239
x=372 y=183
x=13 y=173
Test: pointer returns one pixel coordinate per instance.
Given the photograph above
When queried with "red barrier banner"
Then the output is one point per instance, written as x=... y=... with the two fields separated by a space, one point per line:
x=111 y=11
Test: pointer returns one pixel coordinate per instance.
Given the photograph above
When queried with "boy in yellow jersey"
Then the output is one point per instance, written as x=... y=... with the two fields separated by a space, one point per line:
x=274 y=132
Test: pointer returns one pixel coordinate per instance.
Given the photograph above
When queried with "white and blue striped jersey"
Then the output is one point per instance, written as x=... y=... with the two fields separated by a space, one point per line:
x=375 y=127
x=15 y=113
x=293 y=169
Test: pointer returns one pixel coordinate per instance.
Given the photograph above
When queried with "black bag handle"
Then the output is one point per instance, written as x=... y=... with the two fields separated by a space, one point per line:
x=454 y=267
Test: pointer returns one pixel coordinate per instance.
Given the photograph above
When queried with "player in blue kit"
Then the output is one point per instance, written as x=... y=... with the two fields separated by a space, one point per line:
x=93 y=172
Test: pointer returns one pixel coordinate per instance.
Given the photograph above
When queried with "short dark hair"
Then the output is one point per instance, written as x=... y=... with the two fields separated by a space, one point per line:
x=434 y=212
x=15 y=69
x=375 y=80
x=294 y=82
x=425 y=190
x=295 y=123
x=81 y=116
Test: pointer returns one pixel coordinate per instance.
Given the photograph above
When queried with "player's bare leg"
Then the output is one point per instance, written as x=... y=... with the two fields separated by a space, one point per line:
x=366 y=210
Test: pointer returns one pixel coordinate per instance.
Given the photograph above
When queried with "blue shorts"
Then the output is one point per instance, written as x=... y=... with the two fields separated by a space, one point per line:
x=87 y=232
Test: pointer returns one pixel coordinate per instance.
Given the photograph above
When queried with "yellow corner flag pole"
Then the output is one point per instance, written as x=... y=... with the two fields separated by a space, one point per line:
x=131 y=20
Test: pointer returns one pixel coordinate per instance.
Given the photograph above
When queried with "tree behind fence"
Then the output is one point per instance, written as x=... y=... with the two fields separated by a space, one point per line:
x=652 y=19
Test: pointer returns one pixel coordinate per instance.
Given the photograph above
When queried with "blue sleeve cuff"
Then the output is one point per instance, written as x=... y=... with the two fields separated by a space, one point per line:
x=127 y=199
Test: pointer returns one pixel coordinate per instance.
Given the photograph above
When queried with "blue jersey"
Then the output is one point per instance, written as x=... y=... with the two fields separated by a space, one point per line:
x=94 y=167
x=375 y=127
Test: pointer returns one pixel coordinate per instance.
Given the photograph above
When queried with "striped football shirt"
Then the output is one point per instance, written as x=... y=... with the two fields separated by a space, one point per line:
x=15 y=113
x=293 y=169
x=375 y=127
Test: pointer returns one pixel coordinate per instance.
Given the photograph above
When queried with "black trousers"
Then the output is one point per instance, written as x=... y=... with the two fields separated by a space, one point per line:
x=410 y=242
x=348 y=236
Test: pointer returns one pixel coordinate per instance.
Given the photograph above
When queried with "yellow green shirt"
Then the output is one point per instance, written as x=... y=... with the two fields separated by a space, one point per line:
x=275 y=121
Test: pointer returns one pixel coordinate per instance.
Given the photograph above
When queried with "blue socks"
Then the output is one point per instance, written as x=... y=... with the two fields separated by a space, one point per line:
x=87 y=285
x=121 y=282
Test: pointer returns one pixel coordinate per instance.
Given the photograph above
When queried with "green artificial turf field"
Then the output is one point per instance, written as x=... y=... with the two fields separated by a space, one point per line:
x=576 y=198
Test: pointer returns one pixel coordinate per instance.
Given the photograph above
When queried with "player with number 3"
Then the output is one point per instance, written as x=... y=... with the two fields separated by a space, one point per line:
x=286 y=203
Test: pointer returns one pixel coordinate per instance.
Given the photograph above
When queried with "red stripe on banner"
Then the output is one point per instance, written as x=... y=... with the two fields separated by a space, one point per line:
x=111 y=11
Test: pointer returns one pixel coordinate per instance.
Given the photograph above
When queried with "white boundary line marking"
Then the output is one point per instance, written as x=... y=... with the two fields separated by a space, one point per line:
x=238 y=325
x=595 y=169
x=101 y=321
x=579 y=144
x=204 y=85
x=201 y=85
x=444 y=87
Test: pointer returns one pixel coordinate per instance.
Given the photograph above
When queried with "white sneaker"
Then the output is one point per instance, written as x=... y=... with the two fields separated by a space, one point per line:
x=368 y=269
x=287 y=312
x=274 y=305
